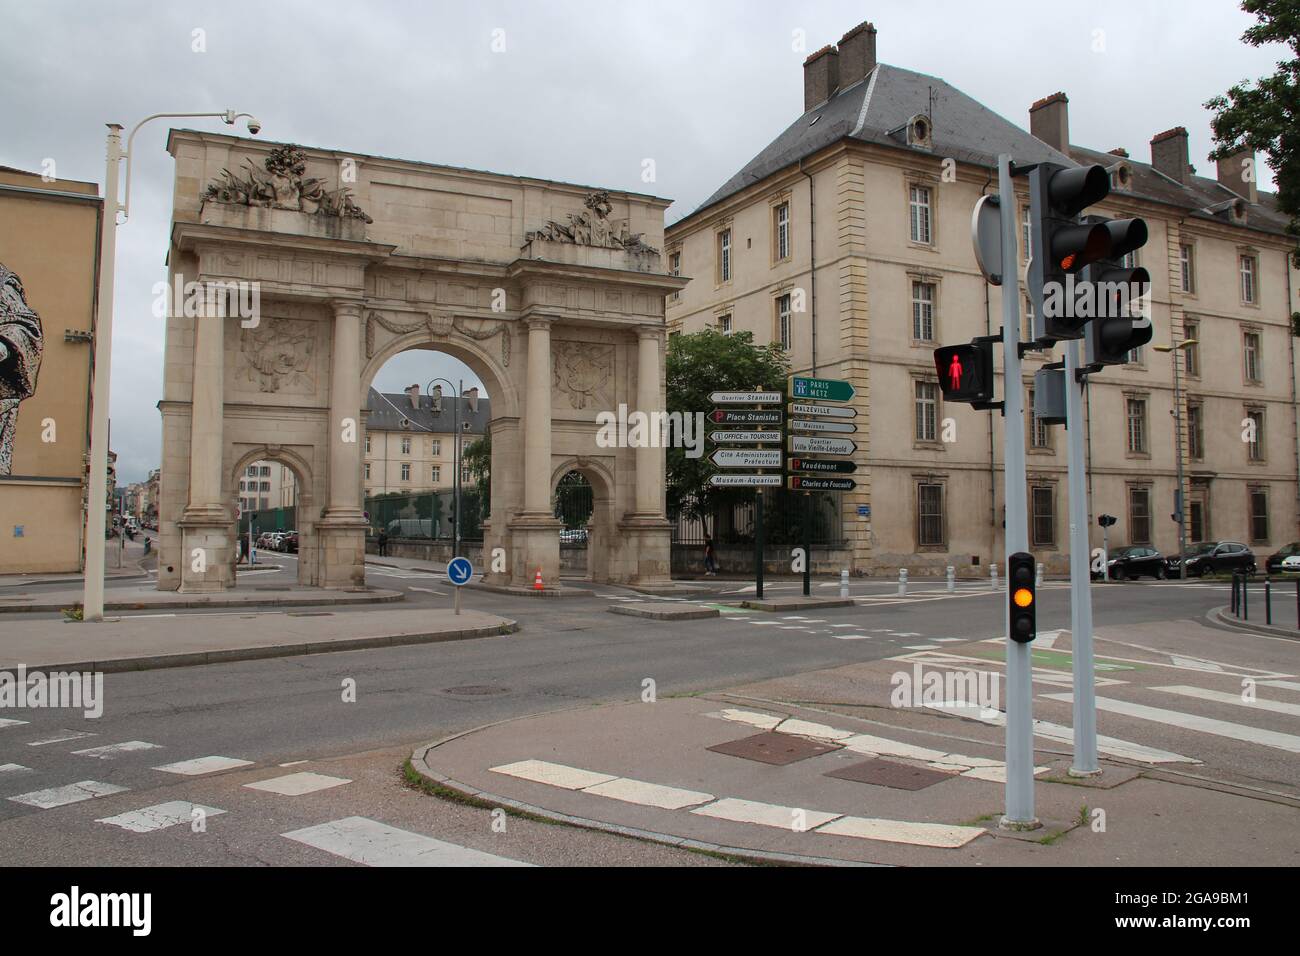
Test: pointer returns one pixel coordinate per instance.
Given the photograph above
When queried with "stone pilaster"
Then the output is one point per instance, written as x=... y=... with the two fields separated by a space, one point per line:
x=342 y=530
x=535 y=531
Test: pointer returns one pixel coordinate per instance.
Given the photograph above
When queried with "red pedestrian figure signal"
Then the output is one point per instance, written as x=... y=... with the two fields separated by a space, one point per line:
x=954 y=374
x=966 y=371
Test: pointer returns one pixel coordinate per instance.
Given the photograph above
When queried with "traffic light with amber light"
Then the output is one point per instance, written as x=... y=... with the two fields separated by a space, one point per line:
x=966 y=371
x=1020 y=591
x=1117 y=294
x=1060 y=245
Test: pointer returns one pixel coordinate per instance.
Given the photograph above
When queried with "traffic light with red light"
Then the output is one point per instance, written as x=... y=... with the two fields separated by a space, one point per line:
x=966 y=371
x=1021 y=597
x=1060 y=244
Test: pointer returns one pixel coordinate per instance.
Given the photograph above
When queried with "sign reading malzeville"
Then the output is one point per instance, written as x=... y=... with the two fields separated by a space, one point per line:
x=823 y=389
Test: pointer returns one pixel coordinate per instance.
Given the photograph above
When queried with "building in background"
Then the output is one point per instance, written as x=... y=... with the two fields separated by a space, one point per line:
x=848 y=241
x=49 y=240
x=409 y=444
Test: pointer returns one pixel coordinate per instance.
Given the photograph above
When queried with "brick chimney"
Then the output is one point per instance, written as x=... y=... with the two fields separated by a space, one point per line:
x=821 y=76
x=857 y=53
x=1049 y=121
x=1169 y=154
x=414 y=392
x=1232 y=174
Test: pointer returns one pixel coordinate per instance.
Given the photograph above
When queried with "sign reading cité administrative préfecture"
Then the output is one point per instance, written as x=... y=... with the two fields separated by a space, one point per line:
x=747 y=458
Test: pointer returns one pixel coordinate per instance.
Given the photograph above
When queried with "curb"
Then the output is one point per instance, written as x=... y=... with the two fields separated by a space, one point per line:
x=1222 y=616
x=796 y=604
x=233 y=655
x=381 y=597
x=530 y=592
x=419 y=762
x=675 y=613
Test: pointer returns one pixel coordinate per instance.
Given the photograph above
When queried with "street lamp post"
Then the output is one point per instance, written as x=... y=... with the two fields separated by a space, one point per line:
x=455 y=459
x=97 y=494
x=1179 y=498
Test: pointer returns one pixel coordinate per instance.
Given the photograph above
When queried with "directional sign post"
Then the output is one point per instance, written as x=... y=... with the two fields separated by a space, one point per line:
x=817 y=445
x=809 y=483
x=817 y=425
x=746 y=416
x=459 y=573
x=821 y=466
x=747 y=458
x=746 y=398
x=807 y=409
x=745 y=481
x=821 y=389
x=745 y=438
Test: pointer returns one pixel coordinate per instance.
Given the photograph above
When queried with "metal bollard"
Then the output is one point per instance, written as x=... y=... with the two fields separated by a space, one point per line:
x=993 y=576
x=1038 y=575
x=1245 y=600
x=1268 y=600
x=844 y=583
x=952 y=580
x=902 y=582
x=1234 y=594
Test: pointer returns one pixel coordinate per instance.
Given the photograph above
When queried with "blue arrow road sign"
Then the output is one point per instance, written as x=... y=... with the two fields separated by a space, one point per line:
x=459 y=571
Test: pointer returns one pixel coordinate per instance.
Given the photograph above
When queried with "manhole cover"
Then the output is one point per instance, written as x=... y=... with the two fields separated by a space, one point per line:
x=887 y=773
x=476 y=690
x=773 y=748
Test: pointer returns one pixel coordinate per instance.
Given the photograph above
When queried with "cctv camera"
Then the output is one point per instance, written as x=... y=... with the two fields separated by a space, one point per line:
x=254 y=126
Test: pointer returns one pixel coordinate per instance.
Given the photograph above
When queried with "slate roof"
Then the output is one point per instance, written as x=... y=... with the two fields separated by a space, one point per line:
x=877 y=109
x=389 y=409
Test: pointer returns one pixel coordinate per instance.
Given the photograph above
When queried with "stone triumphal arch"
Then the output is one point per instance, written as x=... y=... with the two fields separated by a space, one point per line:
x=296 y=273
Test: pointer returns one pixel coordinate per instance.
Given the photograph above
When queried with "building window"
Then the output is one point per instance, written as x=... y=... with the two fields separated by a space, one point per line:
x=1129 y=260
x=927 y=411
x=465 y=476
x=435 y=474
x=1250 y=345
x=1028 y=334
x=920 y=214
x=435 y=447
x=1137 y=425
x=923 y=311
x=1249 y=286
x=1139 y=515
x=1195 y=432
x=1043 y=526
x=406 y=471
x=1040 y=435
x=783 y=335
x=675 y=268
x=367 y=444
x=252 y=470
x=781 y=227
x=367 y=470
x=1186 y=269
x=1255 y=447
x=1026 y=232
x=1192 y=353
x=929 y=515
x=724 y=324
x=1196 y=528
x=266 y=471
x=266 y=486
x=724 y=255
x=1258 y=515
x=406 y=446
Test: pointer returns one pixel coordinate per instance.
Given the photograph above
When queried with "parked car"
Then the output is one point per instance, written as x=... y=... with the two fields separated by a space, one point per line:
x=573 y=536
x=290 y=542
x=1291 y=564
x=1276 y=560
x=1135 y=562
x=1213 y=556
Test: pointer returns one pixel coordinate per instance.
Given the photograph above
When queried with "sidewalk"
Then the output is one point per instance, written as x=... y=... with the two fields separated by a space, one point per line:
x=765 y=773
x=132 y=559
x=166 y=640
x=147 y=597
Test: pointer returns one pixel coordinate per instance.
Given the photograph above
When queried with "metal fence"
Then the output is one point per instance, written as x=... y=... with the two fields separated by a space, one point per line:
x=428 y=514
x=272 y=519
x=783 y=518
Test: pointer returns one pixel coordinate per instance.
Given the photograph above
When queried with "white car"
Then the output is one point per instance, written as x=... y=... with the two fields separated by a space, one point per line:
x=1291 y=564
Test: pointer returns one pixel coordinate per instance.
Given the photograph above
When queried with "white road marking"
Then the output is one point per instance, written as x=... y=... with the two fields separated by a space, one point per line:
x=426 y=590
x=764 y=623
x=764 y=814
x=949 y=640
x=1206 y=725
x=160 y=816
x=9 y=722
x=1283 y=684
x=1196 y=664
x=14 y=768
x=790 y=627
x=372 y=843
x=804 y=728
x=918 y=647
x=852 y=637
x=202 y=765
x=59 y=738
x=109 y=751
x=900 y=831
x=843 y=625
x=868 y=744
x=554 y=774
x=1046 y=640
x=1275 y=706
x=72 y=793
x=296 y=784
x=294 y=763
x=649 y=794
x=753 y=718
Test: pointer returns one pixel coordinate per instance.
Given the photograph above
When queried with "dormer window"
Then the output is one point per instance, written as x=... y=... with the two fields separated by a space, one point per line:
x=920 y=132
x=1121 y=177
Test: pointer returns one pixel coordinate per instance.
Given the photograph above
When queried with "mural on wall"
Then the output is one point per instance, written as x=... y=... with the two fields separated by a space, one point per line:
x=21 y=347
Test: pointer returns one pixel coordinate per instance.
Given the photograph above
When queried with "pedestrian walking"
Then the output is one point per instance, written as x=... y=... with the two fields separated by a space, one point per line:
x=710 y=558
x=382 y=543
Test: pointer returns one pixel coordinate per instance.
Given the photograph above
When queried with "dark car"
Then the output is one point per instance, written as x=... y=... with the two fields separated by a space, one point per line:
x=290 y=542
x=1135 y=562
x=1213 y=556
x=1274 y=563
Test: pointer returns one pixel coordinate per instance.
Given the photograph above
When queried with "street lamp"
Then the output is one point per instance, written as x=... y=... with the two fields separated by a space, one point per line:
x=93 y=600
x=1181 y=513
x=459 y=393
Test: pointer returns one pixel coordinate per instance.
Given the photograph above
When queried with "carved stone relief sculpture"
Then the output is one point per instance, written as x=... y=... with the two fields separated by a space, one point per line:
x=593 y=228
x=282 y=185
x=279 y=355
x=583 y=371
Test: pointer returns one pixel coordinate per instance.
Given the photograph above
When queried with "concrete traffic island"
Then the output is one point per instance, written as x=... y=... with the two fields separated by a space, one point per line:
x=660 y=611
x=799 y=603
x=157 y=641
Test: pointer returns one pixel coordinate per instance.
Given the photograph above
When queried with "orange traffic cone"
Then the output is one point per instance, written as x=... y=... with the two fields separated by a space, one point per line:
x=537 y=581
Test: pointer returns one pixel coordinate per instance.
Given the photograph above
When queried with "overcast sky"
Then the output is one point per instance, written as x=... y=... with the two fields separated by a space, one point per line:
x=582 y=92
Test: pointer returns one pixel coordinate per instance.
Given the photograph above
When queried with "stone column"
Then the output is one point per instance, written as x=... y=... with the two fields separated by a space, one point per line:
x=649 y=459
x=342 y=529
x=206 y=544
x=537 y=419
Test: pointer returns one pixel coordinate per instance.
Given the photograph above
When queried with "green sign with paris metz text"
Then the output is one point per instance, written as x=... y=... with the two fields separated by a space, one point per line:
x=823 y=389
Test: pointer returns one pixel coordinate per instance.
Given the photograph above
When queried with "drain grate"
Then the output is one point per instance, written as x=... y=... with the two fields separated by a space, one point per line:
x=773 y=748
x=888 y=773
x=476 y=690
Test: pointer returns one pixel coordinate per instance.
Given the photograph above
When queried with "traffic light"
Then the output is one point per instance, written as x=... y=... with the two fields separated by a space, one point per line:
x=1060 y=245
x=1020 y=591
x=1106 y=521
x=966 y=371
x=1115 y=330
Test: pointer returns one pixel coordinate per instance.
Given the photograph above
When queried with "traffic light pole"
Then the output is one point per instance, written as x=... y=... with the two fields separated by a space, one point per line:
x=1085 y=705
x=1020 y=732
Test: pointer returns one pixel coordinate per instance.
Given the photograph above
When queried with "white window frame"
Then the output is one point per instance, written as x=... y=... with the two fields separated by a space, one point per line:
x=921 y=302
x=782 y=225
x=925 y=405
x=784 y=325
x=1135 y=426
x=406 y=471
x=1248 y=266
x=724 y=255
x=920 y=214
x=1252 y=344
x=1187 y=268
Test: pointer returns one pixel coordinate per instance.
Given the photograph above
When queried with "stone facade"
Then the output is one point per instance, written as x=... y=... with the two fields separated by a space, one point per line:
x=410 y=256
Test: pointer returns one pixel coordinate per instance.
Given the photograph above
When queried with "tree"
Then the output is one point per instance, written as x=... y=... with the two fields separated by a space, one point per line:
x=1265 y=116
x=697 y=364
x=477 y=457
